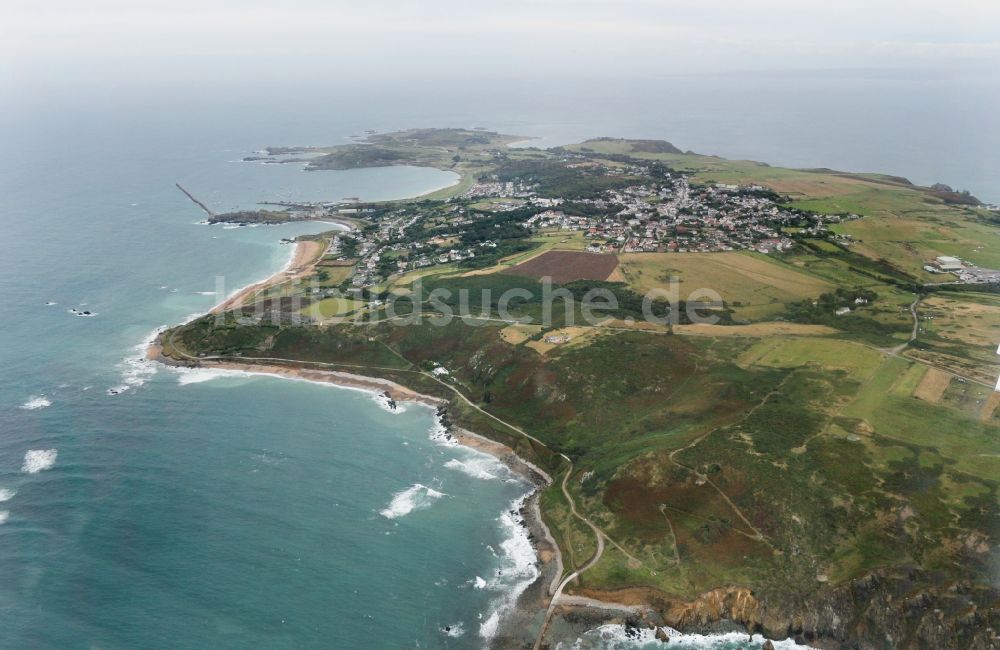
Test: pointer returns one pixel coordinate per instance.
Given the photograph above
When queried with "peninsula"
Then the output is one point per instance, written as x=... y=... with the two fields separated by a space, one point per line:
x=819 y=461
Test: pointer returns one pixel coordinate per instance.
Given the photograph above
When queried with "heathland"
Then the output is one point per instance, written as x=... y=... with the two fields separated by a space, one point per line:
x=819 y=461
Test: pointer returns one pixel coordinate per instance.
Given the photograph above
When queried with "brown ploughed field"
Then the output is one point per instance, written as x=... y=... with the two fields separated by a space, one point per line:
x=566 y=266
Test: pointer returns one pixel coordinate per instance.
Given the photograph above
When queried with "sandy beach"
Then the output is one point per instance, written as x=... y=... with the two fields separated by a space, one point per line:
x=375 y=385
x=307 y=254
x=379 y=386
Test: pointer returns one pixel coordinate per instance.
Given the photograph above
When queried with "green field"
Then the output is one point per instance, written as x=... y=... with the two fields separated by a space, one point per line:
x=754 y=285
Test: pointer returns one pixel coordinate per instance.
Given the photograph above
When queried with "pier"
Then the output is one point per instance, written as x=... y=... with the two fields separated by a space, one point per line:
x=194 y=200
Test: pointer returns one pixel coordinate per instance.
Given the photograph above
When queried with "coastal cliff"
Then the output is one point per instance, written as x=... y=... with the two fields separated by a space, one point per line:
x=883 y=609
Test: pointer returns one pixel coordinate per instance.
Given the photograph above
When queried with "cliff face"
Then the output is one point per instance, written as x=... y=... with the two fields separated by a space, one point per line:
x=904 y=609
x=732 y=603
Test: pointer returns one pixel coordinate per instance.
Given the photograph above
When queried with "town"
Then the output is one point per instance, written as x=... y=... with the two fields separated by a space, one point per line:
x=649 y=209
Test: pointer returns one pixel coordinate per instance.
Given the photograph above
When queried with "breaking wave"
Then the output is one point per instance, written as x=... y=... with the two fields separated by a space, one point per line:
x=480 y=466
x=439 y=434
x=415 y=497
x=36 y=402
x=386 y=403
x=187 y=376
x=37 y=460
x=619 y=637
x=6 y=495
x=517 y=567
x=136 y=369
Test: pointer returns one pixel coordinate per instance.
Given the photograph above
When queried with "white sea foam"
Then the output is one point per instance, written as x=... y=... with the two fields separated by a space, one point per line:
x=4 y=514
x=415 y=497
x=480 y=583
x=388 y=404
x=618 y=637
x=479 y=466
x=37 y=460
x=207 y=293
x=518 y=567
x=439 y=434
x=454 y=630
x=199 y=375
x=187 y=376
x=36 y=402
x=137 y=369
x=488 y=628
x=6 y=495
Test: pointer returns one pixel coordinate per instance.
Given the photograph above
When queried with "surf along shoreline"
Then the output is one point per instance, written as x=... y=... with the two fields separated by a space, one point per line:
x=535 y=597
x=518 y=625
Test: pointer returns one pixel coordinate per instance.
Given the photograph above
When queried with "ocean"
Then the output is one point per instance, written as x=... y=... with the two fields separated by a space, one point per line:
x=144 y=507
x=199 y=509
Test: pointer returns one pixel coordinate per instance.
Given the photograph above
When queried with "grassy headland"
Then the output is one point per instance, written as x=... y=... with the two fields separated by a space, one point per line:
x=833 y=441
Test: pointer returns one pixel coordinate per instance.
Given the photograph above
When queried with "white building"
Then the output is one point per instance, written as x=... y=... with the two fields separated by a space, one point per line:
x=948 y=263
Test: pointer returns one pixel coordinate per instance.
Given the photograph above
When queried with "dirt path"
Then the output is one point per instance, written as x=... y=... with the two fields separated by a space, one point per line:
x=757 y=535
x=598 y=533
x=676 y=549
x=913 y=334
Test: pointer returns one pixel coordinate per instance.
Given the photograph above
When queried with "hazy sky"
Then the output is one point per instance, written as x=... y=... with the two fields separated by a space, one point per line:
x=122 y=39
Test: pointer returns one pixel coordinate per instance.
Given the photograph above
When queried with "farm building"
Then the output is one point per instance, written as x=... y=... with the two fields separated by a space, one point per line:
x=948 y=263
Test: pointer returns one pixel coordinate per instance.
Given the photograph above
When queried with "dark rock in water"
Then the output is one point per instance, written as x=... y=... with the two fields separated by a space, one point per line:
x=632 y=629
x=767 y=645
x=442 y=415
x=662 y=636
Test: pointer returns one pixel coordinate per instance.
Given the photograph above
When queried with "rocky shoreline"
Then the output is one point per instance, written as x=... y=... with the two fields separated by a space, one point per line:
x=899 y=607
x=517 y=628
x=885 y=609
